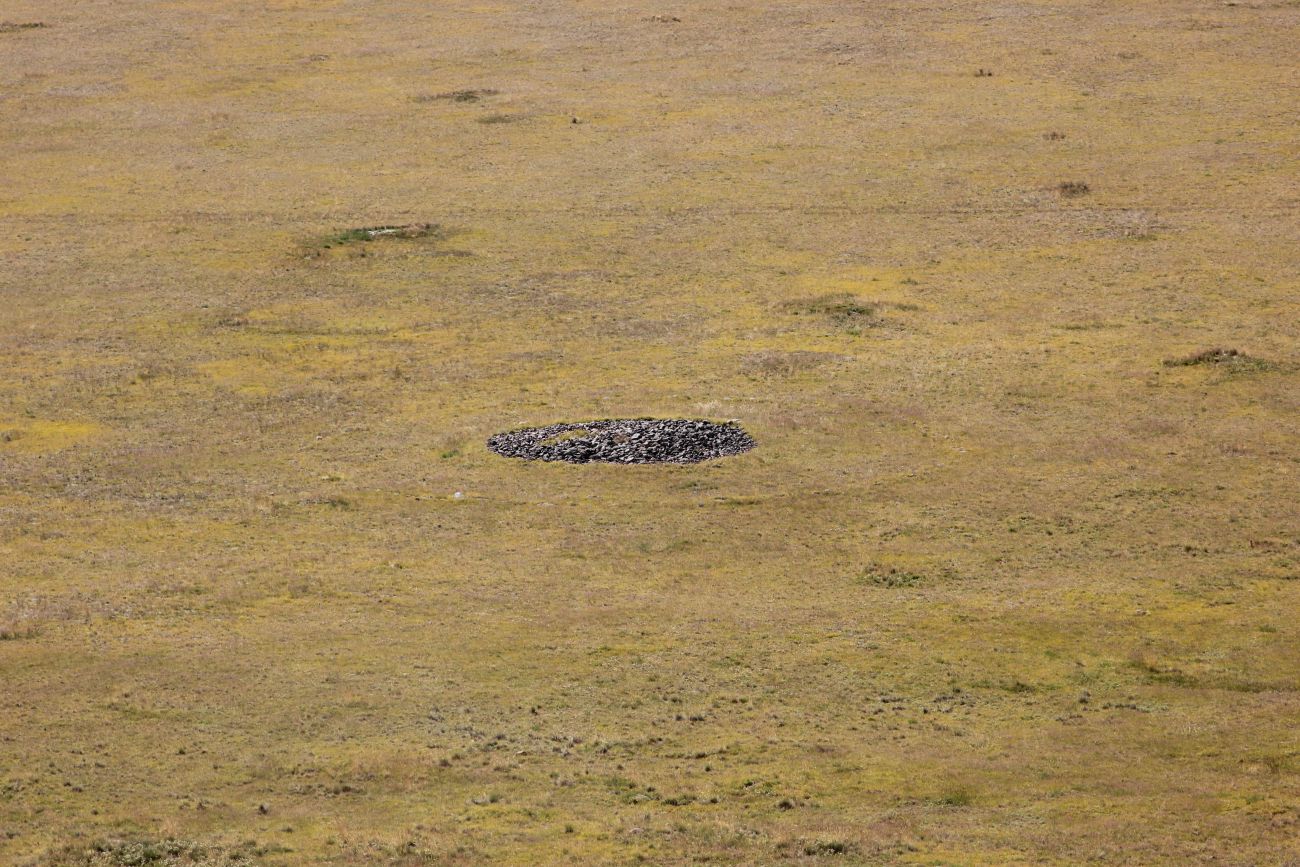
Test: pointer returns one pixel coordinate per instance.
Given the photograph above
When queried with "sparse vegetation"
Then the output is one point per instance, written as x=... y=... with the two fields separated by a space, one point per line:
x=459 y=96
x=890 y=576
x=153 y=853
x=840 y=308
x=1132 y=224
x=955 y=798
x=410 y=231
x=817 y=848
x=845 y=310
x=1232 y=359
x=996 y=586
x=14 y=631
x=776 y=362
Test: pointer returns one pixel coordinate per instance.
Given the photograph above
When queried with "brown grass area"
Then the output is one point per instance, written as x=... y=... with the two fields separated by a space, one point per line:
x=999 y=585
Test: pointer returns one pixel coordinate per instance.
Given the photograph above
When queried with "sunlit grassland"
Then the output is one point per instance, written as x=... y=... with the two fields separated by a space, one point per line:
x=999 y=584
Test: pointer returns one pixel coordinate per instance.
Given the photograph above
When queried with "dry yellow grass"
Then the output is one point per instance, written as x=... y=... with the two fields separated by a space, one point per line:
x=998 y=586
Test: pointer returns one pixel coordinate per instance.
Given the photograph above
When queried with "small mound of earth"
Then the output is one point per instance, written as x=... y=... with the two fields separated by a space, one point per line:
x=626 y=441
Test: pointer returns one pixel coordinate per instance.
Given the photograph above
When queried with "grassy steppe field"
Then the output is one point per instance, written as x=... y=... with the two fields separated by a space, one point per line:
x=1004 y=582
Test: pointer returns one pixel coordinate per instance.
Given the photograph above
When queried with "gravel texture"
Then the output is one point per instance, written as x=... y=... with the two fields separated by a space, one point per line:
x=626 y=441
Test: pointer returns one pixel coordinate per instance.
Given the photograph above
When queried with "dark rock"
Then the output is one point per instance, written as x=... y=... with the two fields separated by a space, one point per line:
x=626 y=441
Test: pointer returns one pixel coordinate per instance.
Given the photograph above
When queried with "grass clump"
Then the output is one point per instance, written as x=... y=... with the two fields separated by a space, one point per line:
x=359 y=238
x=955 y=798
x=627 y=791
x=798 y=847
x=845 y=310
x=408 y=231
x=1234 y=359
x=840 y=308
x=458 y=95
x=816 y=848
x=774 y=362
x=18 y=631
x=890 y=576
x=152 y=853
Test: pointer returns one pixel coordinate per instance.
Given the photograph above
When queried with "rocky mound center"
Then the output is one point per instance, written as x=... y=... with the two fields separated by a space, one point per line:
x=626 y=441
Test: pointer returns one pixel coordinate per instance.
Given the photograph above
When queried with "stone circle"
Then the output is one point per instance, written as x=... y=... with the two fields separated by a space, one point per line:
x=626 y=441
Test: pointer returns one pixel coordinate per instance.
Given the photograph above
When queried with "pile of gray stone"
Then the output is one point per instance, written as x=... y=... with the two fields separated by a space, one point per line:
x=626 y=441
